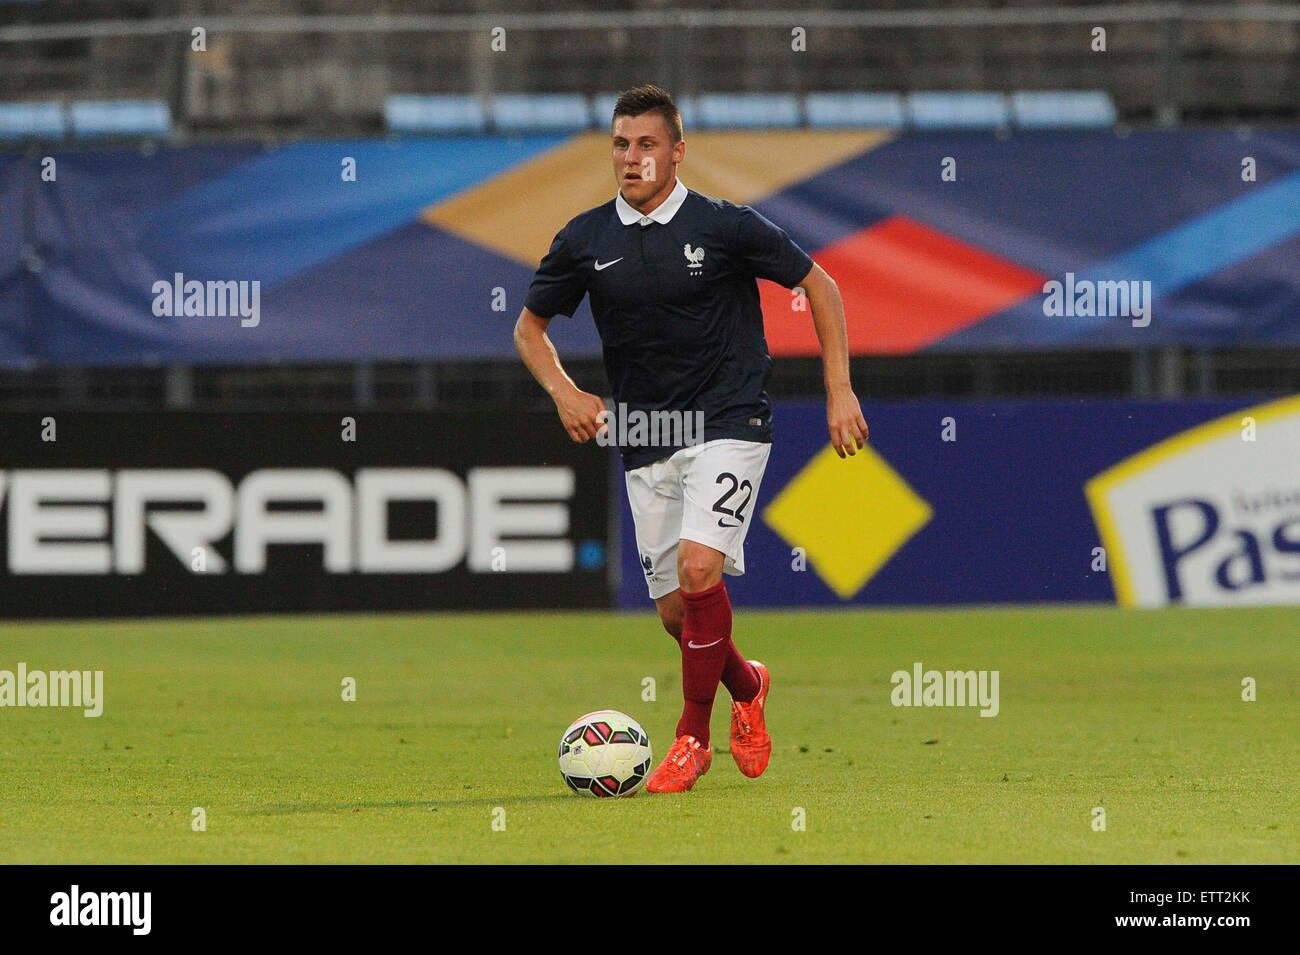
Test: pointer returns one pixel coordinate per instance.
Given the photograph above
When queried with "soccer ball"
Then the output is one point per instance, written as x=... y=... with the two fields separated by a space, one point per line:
x=605 y=753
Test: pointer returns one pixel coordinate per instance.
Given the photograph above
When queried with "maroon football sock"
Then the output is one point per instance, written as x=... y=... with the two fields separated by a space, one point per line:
x=740 y=679
x=706 y=638
x=738 y=676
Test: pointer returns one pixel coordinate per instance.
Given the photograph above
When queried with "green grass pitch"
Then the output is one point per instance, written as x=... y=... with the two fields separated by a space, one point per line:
x=456 y=716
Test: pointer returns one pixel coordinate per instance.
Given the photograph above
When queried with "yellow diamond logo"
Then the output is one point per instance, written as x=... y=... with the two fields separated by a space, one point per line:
x=849 y=516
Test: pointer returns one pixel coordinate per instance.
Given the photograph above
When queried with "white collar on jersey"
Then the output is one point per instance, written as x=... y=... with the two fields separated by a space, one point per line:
x=663 y=214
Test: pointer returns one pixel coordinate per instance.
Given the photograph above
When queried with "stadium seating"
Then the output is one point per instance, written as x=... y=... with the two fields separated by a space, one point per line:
x=521 y=113
x=32 y=121
x=119 y=118
x=823 y=110
x=850 y=110
x=437 y=114
x=958 y=110
x=747 y=111
x=558 y=112
x=1061 y=109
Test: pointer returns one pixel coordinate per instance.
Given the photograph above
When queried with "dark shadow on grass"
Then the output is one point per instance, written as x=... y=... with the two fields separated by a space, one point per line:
x=280 y=810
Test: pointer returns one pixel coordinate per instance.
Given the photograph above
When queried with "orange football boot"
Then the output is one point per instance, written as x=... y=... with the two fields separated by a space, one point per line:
x=686 y=762
x=751 y=746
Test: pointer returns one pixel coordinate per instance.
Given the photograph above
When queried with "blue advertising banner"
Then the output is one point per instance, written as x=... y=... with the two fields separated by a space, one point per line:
x=372 y=250
x=1145 y=502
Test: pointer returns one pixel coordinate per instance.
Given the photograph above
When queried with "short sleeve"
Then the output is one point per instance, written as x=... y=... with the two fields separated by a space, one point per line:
x=557 y=288
x=767 y=252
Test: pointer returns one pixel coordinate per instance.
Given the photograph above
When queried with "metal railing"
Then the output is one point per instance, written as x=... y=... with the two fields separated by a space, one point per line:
x=1165 y=372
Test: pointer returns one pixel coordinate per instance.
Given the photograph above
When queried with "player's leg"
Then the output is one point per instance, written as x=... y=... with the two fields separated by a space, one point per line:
x=671 y=609
x=738 y=675
x=703 y=655
x=720 y=488
x=655 y=496
x=706 y=634
x=707 y=654
x=718 y=481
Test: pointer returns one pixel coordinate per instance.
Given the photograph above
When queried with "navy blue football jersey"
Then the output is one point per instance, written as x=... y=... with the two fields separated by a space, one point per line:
x=676 y=304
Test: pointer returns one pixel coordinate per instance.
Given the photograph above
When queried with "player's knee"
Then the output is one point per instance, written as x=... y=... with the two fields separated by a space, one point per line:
x=697 y=573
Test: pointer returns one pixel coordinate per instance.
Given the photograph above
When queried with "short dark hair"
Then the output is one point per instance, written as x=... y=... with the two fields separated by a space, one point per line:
x=650 y=99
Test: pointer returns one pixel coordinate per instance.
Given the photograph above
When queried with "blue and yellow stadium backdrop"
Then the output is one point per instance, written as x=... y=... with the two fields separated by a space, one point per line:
x=428 y=252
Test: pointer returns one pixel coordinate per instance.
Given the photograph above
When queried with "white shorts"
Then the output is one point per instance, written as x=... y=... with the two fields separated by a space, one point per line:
x=706 y=493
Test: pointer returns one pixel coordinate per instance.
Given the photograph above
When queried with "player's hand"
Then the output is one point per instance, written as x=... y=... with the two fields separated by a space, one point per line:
x=578 y=411
x=845 y=422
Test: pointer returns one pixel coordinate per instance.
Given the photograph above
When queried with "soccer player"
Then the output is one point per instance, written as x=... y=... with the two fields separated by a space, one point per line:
x=671 y=275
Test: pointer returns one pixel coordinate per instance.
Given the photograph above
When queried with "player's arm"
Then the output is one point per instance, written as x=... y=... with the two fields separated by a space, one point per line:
x=843 y=413
x=577 y=408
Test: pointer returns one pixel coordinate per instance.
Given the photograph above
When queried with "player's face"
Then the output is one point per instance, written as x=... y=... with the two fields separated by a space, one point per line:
x=645 y=159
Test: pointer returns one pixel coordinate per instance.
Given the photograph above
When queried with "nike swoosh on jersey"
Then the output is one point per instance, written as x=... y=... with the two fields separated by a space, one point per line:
x=703 y=646
x=605 y=265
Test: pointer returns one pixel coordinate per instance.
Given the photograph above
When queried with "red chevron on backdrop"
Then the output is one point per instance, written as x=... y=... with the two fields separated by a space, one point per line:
x=905 y=285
